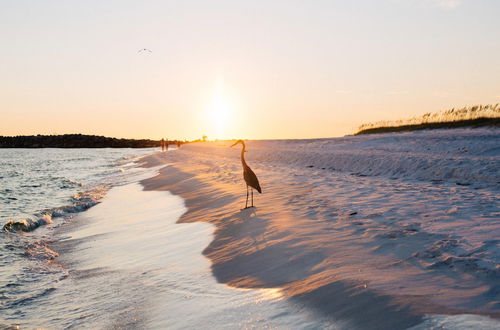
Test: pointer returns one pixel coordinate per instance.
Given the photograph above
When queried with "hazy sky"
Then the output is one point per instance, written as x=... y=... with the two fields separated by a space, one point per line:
x=246 y=69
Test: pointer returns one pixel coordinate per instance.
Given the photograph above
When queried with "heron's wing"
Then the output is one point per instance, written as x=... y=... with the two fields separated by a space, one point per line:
x=251 y=179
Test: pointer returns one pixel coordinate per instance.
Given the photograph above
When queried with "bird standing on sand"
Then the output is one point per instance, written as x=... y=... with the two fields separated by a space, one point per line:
x=249 y=176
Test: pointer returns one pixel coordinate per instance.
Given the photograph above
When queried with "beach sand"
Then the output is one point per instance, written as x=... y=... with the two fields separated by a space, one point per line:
x=328 y=241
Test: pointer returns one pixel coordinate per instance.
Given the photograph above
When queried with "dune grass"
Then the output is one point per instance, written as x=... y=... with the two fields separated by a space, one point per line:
x=474 y=116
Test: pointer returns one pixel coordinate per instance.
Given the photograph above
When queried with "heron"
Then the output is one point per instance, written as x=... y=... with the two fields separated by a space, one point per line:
x=248 y=175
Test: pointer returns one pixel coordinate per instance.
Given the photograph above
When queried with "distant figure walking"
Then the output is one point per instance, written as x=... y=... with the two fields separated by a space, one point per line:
x=162 y=142
x=248 y=175
x=166 y=145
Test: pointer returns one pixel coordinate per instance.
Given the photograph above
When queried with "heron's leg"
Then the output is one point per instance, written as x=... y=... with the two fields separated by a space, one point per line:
x=246 y=202
x=251 y=189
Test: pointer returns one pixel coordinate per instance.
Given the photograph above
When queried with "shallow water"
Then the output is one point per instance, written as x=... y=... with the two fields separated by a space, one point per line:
x=33 y=180
x=125 y=263
x=48 y=187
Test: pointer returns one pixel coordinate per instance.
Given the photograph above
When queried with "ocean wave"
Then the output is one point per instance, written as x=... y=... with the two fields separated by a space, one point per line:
x=27 y=224
x=40 y=250
x=27 y=300
x=68 y=183
x=81 y=202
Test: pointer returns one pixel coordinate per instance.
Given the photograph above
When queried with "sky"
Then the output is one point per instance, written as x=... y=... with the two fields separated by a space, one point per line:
x=240 y=69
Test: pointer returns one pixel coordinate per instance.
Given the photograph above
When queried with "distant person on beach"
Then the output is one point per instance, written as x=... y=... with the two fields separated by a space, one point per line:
x=162 y=142
x=178 y=144
x=166 y=145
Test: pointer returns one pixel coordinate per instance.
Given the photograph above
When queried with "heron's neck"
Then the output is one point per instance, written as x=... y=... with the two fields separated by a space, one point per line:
x=243 y=157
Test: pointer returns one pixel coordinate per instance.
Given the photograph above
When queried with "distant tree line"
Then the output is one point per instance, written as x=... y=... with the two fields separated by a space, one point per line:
x=73 y=141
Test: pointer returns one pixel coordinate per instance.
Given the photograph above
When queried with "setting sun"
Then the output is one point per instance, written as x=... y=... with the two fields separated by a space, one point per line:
x=218 y=113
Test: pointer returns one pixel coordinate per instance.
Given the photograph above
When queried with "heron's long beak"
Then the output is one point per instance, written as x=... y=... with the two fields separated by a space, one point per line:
x=235 y=144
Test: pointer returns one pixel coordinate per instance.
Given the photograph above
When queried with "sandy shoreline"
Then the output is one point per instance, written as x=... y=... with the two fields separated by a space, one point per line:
x=289 y=242
x=250 y=249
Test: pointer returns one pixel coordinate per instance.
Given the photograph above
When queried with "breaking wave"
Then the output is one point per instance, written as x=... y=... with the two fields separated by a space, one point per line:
x=81 y=202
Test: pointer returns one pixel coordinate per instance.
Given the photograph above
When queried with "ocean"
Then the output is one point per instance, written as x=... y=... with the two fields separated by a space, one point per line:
x=43 y=189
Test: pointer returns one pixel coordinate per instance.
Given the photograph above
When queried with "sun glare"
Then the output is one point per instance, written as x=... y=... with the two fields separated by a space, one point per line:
x=218 y=112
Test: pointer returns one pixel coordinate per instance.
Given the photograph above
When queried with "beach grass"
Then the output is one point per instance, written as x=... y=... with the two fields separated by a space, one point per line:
x=474 y=116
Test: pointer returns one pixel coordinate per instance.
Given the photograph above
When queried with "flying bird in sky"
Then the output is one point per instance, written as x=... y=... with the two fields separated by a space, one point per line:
x=144 y=50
